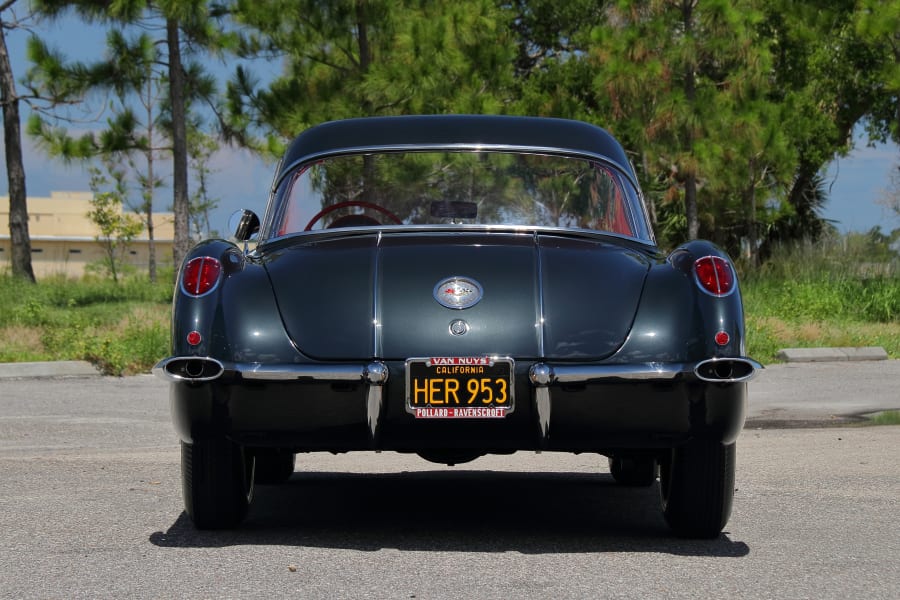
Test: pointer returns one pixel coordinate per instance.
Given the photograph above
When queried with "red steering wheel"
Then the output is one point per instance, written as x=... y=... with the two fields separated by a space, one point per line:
x=350 y=203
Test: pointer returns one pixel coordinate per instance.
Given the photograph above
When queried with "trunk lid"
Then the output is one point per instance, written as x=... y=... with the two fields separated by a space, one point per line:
x=544 y=296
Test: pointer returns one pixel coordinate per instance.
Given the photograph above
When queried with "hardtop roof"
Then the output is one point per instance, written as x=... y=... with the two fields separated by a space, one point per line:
x=537 y=133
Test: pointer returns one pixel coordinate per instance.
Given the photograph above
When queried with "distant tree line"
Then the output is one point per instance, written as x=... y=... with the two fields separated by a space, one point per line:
x=730 y=110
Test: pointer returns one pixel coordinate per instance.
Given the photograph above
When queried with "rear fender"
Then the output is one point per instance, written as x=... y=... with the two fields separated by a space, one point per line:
x=676 y=321
x=238 y=319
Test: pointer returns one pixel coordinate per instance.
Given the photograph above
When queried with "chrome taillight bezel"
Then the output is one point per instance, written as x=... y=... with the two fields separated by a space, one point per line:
x=730 y=283
x=200 y=263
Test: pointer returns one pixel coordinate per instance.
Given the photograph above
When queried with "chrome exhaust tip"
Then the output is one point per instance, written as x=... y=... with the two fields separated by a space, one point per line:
x=189 y=368
x=727 y=370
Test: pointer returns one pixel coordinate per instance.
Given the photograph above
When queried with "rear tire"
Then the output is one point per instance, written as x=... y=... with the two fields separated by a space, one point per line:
x=217 y=482
x=273 y=466
x=633 y=471
x=696 y=487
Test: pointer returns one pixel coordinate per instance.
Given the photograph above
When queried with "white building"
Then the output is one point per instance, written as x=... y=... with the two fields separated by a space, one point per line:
x=64 y=240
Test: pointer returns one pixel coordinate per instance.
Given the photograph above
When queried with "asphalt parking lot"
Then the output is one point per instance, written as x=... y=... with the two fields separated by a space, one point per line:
x=90 y=507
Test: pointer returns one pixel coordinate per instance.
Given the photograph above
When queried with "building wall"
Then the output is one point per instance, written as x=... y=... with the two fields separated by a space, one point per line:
x=64 y=240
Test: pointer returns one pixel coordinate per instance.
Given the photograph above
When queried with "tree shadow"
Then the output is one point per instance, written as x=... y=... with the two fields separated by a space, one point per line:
x=459 y=511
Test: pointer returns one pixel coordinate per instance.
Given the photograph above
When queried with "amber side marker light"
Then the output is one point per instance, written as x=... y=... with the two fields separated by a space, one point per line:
x=200 y=275
x=715 y=275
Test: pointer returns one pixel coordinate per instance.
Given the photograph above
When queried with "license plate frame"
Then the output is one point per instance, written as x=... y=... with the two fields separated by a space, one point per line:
x=443 y=388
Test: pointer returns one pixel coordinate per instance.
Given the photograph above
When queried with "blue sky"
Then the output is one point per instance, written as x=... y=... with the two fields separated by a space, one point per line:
x=241 y=179
x=857 y=182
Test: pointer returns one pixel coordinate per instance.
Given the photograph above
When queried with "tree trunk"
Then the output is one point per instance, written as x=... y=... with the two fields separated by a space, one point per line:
x=648 y=198
x=365 y=60
x=180 y=205
x=807 y=224
x=750 y=201
x=690 y=94
x=151 y=248
x=151 y=184
x=690 y=206
x=15 y=169
x=362 y=34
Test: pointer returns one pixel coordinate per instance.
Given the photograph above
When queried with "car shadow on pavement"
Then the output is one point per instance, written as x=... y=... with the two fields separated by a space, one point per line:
x=471 y=511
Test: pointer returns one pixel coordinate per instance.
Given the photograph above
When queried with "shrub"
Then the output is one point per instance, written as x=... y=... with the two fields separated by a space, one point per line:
x=122 y=328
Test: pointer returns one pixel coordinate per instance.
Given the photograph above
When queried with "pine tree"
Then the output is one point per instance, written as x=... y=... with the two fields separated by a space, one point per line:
x=15 y=166
x=675 y=75
x=133 y=130
x=187 y=24
x=350 y=58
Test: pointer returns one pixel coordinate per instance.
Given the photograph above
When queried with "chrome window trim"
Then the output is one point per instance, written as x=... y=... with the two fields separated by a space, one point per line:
x=451 y=230
x=288 y=170
x=510 y=148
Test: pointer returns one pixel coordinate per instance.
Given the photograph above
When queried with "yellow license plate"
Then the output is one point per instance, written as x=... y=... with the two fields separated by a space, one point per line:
x=459 y=387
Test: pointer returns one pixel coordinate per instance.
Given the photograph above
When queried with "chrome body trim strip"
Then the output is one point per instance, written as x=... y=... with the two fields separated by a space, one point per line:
x=540 y=374
x=544 y=374
x=376 y=299
x=374 y=373
x=261 y=372
x=539 y=266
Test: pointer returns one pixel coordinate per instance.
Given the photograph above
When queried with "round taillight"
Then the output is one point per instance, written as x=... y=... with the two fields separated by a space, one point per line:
x=194 y=338
x=722 y=338
x=714 y=275
x=200 y=275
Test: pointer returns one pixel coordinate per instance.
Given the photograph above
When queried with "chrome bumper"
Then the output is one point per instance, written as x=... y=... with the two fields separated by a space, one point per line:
x=194 y=369
x=713 y=370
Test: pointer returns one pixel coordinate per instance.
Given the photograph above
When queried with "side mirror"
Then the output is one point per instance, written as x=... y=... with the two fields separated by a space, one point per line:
x=244 y=223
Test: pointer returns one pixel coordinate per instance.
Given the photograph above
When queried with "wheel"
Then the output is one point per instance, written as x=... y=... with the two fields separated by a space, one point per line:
x=697 y=488
x=273 y=466
x=217 y=482
x=351 y=203
x=636 y=471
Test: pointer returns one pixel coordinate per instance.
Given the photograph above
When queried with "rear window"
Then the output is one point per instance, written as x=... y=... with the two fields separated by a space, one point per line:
x=446 y=188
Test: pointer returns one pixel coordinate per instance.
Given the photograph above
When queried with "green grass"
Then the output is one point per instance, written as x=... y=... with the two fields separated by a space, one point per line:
x=123 y=329
x=804 y=297
x=767 y=335
x=820 y=296
x=823 y=313
x=888 y=417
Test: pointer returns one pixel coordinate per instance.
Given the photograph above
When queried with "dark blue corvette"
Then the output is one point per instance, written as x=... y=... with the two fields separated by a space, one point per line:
x=455 y=286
